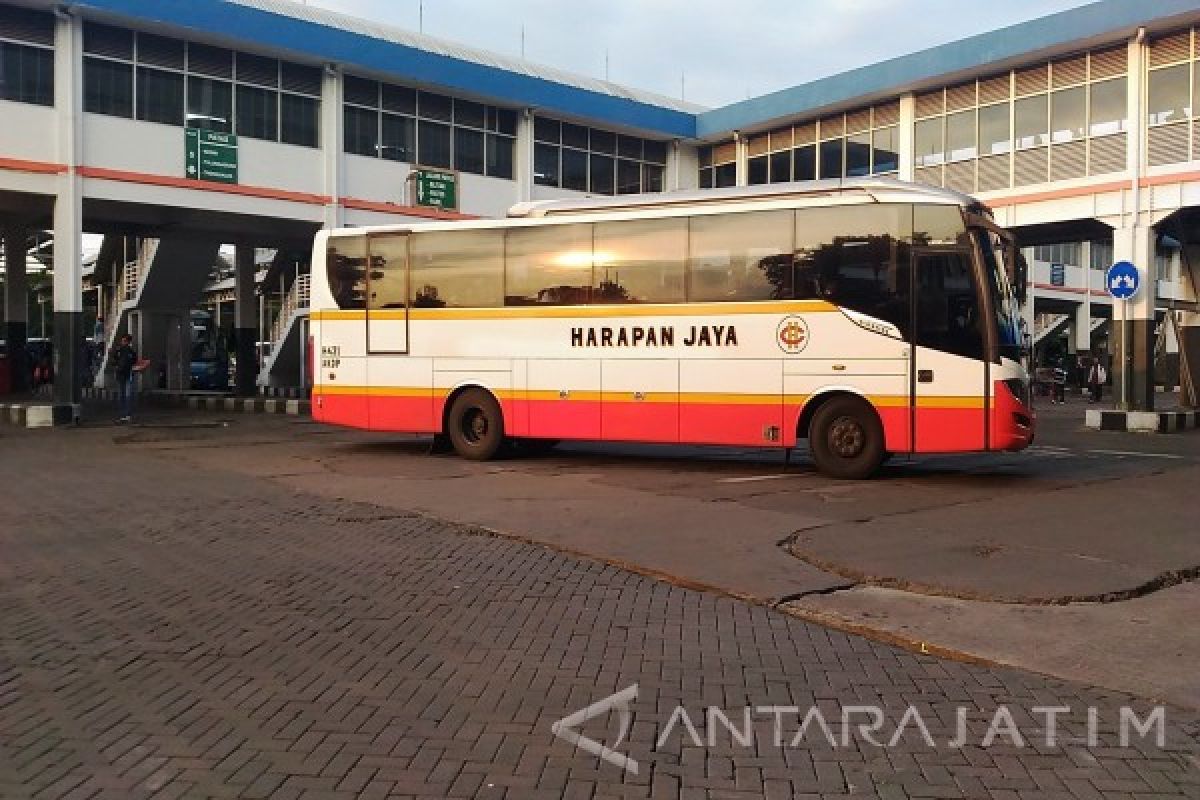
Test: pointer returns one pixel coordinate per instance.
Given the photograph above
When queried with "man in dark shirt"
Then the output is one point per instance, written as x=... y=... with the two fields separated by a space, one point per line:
x=125 y=360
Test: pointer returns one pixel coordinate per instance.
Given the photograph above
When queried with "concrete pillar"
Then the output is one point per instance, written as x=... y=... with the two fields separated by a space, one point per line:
x=1133 y=322
x=907 y=138
x=1083 y=315
x=523 y=157
x=741 y=148
x=683 y=166
x=332 y=138
x=16 y=306
x=1081 y=329
x=1189 y=359
x=245 y=321
x=68 y=220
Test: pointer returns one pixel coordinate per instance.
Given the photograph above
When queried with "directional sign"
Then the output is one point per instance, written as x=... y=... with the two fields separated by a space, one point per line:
x=437 y=189
x=211 y=156
x=1122 y=280
x=1058 y=275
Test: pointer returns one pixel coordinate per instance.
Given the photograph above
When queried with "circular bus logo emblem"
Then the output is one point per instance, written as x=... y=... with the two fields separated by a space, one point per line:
x=792 y=335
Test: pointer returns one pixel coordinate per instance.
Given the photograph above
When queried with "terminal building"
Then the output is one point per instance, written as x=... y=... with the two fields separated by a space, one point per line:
x=202 y=143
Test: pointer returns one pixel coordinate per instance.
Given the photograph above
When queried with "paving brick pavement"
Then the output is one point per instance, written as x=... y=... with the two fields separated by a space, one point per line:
x=170 y=632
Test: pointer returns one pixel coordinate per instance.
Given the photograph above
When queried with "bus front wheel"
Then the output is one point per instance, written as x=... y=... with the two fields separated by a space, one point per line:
x=846 y=439
x=476 y=425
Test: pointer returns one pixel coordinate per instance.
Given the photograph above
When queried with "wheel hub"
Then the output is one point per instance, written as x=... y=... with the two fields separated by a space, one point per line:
x=847 y=437
x=475 y=426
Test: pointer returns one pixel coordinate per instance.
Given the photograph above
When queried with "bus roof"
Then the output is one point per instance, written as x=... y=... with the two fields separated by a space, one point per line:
x=871 y=188
x=842 y=191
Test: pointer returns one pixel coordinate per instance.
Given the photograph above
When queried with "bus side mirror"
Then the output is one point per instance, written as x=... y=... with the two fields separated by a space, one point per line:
x=1020 y=276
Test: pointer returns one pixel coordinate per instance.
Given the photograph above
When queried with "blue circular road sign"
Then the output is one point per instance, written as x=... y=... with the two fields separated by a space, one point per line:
x=1122 y=280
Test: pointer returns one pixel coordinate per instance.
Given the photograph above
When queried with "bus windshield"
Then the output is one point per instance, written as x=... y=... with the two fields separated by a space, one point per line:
x=1004 y=303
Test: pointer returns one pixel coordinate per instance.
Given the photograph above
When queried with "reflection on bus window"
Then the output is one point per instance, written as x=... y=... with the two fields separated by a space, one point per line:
x=850 y=257
x=550 y=265
x=938 y=225
x=457 y=269
x=346 y=265
x=387 y=285
x=640 y=261
x=740 y=257
x=948 y=317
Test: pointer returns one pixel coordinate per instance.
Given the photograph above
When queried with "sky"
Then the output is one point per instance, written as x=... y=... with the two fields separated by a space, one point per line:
x=713 y=52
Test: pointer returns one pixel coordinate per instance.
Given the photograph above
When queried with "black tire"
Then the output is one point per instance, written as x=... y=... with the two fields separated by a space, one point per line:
x=846 y=439
x=475 y=425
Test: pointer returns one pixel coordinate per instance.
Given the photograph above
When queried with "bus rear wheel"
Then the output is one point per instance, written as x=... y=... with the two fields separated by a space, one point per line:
x=475 y=425
x=846 y=439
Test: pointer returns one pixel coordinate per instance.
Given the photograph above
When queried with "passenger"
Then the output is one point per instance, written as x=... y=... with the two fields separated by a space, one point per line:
x=1097 y=377
x=1060 y=383
x=125 y=360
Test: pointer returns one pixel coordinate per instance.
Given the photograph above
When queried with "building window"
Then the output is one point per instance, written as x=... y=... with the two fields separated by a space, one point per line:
x=1109 y=107
x=994 y=137
x=928 y=142
x=160 y=96
x=583 y=159
x=108 y=88
x=398 y=123
x=1068 y=114
x=26 y=56
x=257 y=113
x=1031 y=122
x=361 y=132
x=885 y=150
x=26 y=74
x=158 y=79
x=1168 y=95
x=299 y=120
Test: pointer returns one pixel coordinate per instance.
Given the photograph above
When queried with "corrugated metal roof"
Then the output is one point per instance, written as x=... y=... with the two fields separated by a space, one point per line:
x=430 y=44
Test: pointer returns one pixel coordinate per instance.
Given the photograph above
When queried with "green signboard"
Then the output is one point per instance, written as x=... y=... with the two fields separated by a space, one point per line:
x=211 y=156
x=436 y=188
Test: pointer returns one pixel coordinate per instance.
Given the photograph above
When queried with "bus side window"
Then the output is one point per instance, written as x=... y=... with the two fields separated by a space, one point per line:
x=346 y=268
x=457 y=269
x=641 y=261
x=740 y=257
x=548 y=265
x=849 y=256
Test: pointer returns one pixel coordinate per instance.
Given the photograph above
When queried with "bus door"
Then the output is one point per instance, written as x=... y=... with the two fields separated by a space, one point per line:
x=387 y=293
x=400 y=397
x=948 y=379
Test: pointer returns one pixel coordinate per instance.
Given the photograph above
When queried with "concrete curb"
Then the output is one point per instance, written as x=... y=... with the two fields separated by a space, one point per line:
x=1142 y=421
x=236 y=405
x=38 y=415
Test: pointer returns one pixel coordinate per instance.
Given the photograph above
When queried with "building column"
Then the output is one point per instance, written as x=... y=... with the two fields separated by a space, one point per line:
x=245 y=321
x=907 y=138
x=68 y=221
x=1134 y=322
x=332 y=146
x=16 y=306
x=683 y=167
x=741 y=149
x=1083 y=314
x=523 y=157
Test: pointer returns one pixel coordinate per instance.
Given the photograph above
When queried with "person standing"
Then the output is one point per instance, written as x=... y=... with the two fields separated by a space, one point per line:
x=1097 y=377
x=125 y=362
x=1060 y=383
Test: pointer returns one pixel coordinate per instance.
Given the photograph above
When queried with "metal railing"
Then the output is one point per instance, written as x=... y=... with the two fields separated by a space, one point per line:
x=296 y=300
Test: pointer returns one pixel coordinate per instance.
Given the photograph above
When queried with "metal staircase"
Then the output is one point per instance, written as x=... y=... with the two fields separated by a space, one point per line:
x=284 y=366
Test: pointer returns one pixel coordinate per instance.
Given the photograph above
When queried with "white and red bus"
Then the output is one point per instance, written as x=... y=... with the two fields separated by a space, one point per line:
x=867 y=317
